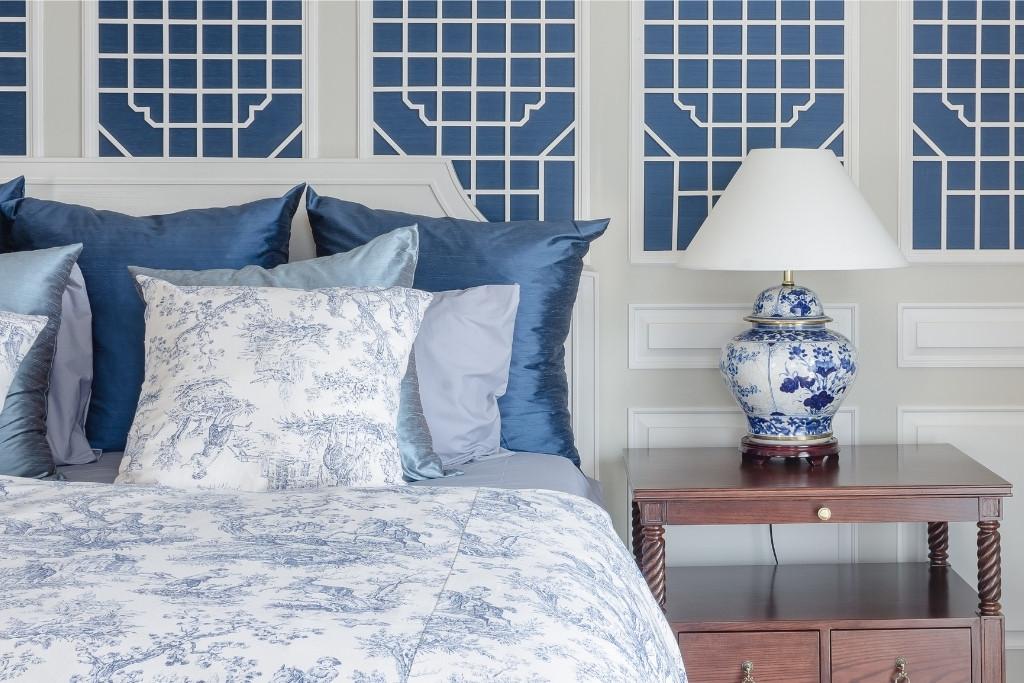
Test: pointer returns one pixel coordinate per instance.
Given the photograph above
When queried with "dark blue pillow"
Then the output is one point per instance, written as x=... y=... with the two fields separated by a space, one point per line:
x=12 y=189
x=545 y=258
x=32 y=283
x=251 y=234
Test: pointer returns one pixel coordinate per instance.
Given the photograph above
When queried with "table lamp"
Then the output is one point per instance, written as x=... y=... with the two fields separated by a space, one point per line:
x=788 y=210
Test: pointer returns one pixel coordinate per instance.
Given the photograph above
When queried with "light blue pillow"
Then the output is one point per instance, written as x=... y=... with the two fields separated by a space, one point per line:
x=32 y=283
x=386 y=261
x=463 y=352
x=256 y=233
x=545 y=258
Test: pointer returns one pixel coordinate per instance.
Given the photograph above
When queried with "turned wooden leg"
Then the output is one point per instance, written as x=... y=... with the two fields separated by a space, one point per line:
x=652 y=559
x=938 y=544
x=990 y=584
x=635 y=534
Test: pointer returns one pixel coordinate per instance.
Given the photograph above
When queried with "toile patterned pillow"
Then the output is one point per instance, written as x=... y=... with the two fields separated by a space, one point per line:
x=259 y=389
x=17 y=335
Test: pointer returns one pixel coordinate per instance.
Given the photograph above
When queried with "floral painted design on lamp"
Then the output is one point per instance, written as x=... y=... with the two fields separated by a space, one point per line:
x=789 y=372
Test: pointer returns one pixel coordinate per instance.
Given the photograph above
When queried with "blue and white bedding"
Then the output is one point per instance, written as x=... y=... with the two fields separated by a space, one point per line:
x=114 y=583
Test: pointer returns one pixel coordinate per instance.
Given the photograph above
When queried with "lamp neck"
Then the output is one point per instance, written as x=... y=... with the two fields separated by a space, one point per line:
x=787 y=278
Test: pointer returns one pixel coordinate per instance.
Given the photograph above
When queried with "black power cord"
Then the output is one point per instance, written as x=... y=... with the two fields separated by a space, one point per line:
x=771 y=537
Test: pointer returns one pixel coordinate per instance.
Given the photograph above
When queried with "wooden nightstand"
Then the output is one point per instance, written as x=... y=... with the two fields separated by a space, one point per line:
x=839 y=623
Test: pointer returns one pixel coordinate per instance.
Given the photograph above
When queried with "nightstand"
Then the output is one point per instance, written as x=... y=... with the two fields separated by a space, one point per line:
x=838 y=623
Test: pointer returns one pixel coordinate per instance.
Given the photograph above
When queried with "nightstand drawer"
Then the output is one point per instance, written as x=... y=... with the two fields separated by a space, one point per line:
x=777 y=656
x=823 y=510
x=939 y=654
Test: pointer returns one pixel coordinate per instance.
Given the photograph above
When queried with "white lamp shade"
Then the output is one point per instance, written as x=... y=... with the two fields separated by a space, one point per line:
x=791 y=209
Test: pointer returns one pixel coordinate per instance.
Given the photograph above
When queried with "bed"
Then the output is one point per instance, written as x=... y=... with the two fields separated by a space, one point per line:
x=510 y=572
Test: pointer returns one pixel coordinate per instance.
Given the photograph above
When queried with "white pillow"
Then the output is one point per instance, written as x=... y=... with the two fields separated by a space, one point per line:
x=257 y=389
x=17 y=335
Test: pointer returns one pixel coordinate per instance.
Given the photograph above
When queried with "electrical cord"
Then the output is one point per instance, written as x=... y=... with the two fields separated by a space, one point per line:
x=771 y=537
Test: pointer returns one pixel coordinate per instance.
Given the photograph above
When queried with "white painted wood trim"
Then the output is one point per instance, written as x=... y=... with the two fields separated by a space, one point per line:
x=919 y=335
x=725 y=319
x=635 y=209
x=364 y=80
x=35 y=35
x=906 y=174
x=90 y=78
x=583 y=367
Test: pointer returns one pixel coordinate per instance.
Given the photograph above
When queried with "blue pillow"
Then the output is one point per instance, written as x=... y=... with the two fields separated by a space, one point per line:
x=387 y=261
x=12 y=189
x=545 y=258
x=32 y=283
x=251 y=234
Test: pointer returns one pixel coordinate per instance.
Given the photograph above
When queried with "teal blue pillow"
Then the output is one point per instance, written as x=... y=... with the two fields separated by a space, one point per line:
x=386 y=261
x=251 y=234
x=32 y=283
x=545 y=258
x=12 y=189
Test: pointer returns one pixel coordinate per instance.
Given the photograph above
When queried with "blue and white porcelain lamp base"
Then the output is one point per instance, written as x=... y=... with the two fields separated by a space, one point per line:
x=789 y=373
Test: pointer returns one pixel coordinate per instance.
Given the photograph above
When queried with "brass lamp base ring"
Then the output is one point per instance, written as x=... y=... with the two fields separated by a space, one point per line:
x=815 y=454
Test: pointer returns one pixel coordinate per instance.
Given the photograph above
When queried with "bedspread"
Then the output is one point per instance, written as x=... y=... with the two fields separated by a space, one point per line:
x=105 y=583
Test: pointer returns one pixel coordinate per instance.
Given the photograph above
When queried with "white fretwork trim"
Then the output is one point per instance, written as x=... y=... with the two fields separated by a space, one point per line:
x=782 y=120
x=91 y=127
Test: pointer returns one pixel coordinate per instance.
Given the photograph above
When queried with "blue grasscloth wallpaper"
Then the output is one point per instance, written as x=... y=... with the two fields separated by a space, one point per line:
x=13 y=78
x=489 y=84
x=721 y=77
x=967 y=186
x=207 y=78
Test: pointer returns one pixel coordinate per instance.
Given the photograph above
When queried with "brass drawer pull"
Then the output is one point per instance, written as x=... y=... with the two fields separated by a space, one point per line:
x=824 y=514
x=748 y=672
x=901 y=671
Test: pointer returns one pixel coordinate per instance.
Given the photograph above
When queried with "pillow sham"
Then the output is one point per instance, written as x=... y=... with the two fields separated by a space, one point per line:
x=17 y=335
x=32 y=283
x=386 y=261
x=544 y=257
x=67 y=401
x=251 y=234
x=462 y=358
x=256 y=389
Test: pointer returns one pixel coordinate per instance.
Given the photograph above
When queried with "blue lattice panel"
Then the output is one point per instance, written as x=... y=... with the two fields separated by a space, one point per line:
x=720 y=78
x=968 y=187
x=488 y=84
x=209 y=78
x=13 y=78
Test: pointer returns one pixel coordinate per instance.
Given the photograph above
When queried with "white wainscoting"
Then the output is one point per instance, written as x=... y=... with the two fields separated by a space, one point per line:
x=692 y=335
x=961 y=335
x=990 y=436
x=677 y=427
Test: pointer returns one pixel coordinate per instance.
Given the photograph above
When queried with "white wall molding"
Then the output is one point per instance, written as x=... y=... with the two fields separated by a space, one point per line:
x=664 y=336
x=692 y=426
x=961 y=335
x=985 y=434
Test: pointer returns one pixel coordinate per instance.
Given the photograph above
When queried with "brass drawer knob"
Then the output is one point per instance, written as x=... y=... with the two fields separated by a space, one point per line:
x=824 y=514
x=901 y=671
x=748 y=672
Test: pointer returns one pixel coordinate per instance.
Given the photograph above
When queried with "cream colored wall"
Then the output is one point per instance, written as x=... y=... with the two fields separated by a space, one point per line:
x=882 y=387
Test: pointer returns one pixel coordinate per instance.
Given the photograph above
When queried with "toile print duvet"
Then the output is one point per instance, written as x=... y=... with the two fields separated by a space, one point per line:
x=139 y=583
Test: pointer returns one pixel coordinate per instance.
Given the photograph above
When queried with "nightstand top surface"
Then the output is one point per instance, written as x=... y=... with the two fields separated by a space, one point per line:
x=937 y=469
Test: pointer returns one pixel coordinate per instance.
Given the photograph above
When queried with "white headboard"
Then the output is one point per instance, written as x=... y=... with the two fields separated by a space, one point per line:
x=416 y=185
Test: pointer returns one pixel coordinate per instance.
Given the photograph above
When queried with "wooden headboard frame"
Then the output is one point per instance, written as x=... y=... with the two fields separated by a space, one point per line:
x=423 y=186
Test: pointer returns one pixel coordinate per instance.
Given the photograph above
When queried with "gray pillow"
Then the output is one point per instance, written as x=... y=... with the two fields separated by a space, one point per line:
x=462 y=361
x=67 y=402
x=32 y=283
x=386 y=261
